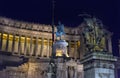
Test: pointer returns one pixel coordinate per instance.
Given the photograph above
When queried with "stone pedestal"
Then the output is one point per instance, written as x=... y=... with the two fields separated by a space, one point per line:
x=117 y=67
x=99 y=65
x=60 y=48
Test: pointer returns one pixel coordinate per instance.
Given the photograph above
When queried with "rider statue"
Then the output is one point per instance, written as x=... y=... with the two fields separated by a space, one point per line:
x=60 y=30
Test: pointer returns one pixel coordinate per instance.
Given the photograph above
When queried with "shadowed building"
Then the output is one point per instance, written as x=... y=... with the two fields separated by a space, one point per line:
x=117 y=64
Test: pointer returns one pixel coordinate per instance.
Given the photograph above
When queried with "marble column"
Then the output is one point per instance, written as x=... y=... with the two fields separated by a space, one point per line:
x=105 y=43
x=22 y=45
x=31 y=42
x=19 y=45
x=42 y=46
x=109 y=44
x=48 y=46
x=13 y=43
x=75 y=50
x=69 y=47
x=1 y=40
x=7 y=42
x=82 y=48
x=39 y=48
x=25 y=46
x=36 y=47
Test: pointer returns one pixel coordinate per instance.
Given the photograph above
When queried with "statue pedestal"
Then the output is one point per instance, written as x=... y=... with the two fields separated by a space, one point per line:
x=99 y=65
x=60 y=48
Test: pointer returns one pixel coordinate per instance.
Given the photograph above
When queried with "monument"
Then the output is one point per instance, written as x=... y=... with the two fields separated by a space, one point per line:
x=59 y=52
x=60 y=45
x=26 y=50
x=97 y=61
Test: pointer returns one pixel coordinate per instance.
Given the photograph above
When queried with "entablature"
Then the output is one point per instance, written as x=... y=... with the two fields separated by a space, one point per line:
x=17 y=31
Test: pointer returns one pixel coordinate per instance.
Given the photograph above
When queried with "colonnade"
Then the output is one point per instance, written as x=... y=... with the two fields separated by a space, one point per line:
x=24 y=45
x=32 y=46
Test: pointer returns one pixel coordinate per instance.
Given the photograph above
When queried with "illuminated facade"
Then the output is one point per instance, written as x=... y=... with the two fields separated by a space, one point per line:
x=33 y=41
x=30 y=39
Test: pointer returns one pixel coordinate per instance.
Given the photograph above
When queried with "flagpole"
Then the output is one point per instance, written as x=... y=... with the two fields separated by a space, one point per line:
x=53 y=30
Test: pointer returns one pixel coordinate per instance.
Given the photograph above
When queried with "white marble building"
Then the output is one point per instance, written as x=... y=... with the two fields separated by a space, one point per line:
x=19 y=40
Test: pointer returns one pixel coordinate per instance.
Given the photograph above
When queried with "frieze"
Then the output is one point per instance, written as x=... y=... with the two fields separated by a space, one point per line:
x=33 y=26
x=99 y=64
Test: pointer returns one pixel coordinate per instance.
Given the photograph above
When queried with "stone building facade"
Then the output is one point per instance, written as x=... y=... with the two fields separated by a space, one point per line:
x=22 y=40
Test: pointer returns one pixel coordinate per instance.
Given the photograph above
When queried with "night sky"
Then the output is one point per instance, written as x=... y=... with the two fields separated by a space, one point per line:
x=66 y=11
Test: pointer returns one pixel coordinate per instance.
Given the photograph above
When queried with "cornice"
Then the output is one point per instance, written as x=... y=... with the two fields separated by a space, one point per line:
x=34 y=26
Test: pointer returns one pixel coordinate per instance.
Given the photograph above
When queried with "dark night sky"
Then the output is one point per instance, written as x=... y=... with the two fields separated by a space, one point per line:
x=67 y=11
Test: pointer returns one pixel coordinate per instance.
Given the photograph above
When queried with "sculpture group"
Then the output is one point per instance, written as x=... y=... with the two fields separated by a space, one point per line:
x=94 y=35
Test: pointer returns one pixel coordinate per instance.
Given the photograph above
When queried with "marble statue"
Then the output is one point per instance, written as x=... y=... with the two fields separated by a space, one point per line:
x=94 y=35
x=71 y=72
x=51 y=73
x=60 y=30
x=50 y=70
